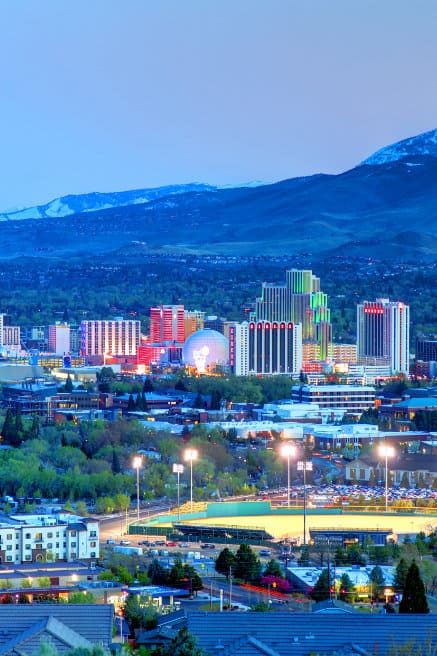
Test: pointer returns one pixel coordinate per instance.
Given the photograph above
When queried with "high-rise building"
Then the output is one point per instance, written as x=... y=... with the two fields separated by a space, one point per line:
x=265 y=347
x=194 y=320
x=2 y=316
x=239 y=348
x=426 y=348
x=167 y=324
x=59 y=338
x=117 y=337
x=383 y=333
x=299 y=301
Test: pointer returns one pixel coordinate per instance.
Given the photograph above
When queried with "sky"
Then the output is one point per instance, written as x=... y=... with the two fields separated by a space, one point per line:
x=110 y=95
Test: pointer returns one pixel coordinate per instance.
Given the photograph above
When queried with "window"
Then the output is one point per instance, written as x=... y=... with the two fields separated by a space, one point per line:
x=9 y=547
x=93 y=534
x=9 y=536
x=9 y=559
x=73 y=544
x=93 y=544
x=49 y=535
x=57 y=545
x=73 y=555
x=28 y=536
x=49 y=545
x=73 y=534
x=28 y=557
x=93 y=554
x=27 y=546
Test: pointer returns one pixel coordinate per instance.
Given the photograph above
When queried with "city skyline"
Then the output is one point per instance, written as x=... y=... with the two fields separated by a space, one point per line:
x=108 y=97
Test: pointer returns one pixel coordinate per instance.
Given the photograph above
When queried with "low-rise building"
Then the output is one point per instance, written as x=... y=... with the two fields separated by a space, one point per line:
x=351 y=398
x=48 y=537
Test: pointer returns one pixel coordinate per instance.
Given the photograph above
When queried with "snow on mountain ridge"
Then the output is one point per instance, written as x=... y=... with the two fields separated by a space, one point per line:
x=74 y=204
x=421 y=144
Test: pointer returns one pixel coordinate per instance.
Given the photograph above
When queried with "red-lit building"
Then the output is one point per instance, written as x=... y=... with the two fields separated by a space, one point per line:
x=167 y=324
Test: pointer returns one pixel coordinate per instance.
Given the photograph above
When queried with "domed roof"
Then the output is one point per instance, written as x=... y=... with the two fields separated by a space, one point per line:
x=204 y=348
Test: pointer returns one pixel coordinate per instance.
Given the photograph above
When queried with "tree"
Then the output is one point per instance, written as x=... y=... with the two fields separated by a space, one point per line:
x=273 y=568
x=131 y=405
x=35 y=428
x=157 y=573
x=224 y=561
x=413 y=596
x=248 y=565
x=19 y=422
x=321 y=590
x=115 y=466
x=377 y=580
x=9 y=432
x=400 y=575
x=347 y=588
x=81 y=598
x=139 y=614
x=184 y=644
x=69 y=384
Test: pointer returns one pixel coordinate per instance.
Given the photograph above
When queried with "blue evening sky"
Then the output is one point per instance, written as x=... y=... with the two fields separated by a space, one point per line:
x=107 y=95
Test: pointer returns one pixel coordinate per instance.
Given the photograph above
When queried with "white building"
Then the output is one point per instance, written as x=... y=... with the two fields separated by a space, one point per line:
x=59 y=338
x=239 y=348
x=117 y=337
x=383 y=333
x=48 y=537
x=264 y=347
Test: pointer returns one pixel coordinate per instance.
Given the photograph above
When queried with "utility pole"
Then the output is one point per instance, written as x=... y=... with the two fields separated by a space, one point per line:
x=230 y=587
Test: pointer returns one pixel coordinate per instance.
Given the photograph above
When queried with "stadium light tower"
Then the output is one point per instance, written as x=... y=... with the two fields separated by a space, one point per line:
x=288 y=451
x=189 y=456
x=386 y=452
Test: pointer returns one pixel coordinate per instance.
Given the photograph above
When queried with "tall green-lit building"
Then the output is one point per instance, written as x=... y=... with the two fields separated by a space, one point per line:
x=301 y=301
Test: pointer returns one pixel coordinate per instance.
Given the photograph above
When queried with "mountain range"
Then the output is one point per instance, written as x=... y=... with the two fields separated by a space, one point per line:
x=386 y=207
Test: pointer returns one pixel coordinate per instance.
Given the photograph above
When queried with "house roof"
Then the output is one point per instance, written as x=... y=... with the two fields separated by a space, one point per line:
x=422 y=402
x=24 y=626
x=301 y=634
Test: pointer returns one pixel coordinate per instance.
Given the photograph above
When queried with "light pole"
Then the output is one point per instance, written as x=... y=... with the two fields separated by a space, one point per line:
x=304 y=465
x=178 y=469
x=288 y=451
x=386 y=452
x=137 y=463
x=189 y=456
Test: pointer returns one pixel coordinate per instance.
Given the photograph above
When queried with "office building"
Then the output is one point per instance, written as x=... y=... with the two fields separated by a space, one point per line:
x=167 y=324
x=117 y=337
x=383 y=334
x=11 y=339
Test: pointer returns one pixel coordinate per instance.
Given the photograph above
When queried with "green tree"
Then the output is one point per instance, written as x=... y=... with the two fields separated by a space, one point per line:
x=413 y=595
x=81 y=598
x=248 y=565
x=184 y=644
x=131 y=405
x=377 y=581
x=9 y=432
x=157 y=573
x=139 y=614
x=273 y=568
x=347 y=589
x=35 y=428
x=400 y=575
x=224 y=561
x=69 y=384
x=19 y=422
x=321 y=590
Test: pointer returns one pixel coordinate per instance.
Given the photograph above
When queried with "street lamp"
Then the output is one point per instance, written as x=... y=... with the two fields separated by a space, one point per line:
x=288 y=451
x=304 y=465
x=189 y=456
x=137 y=463
x=386 y=452
x=178 y=469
